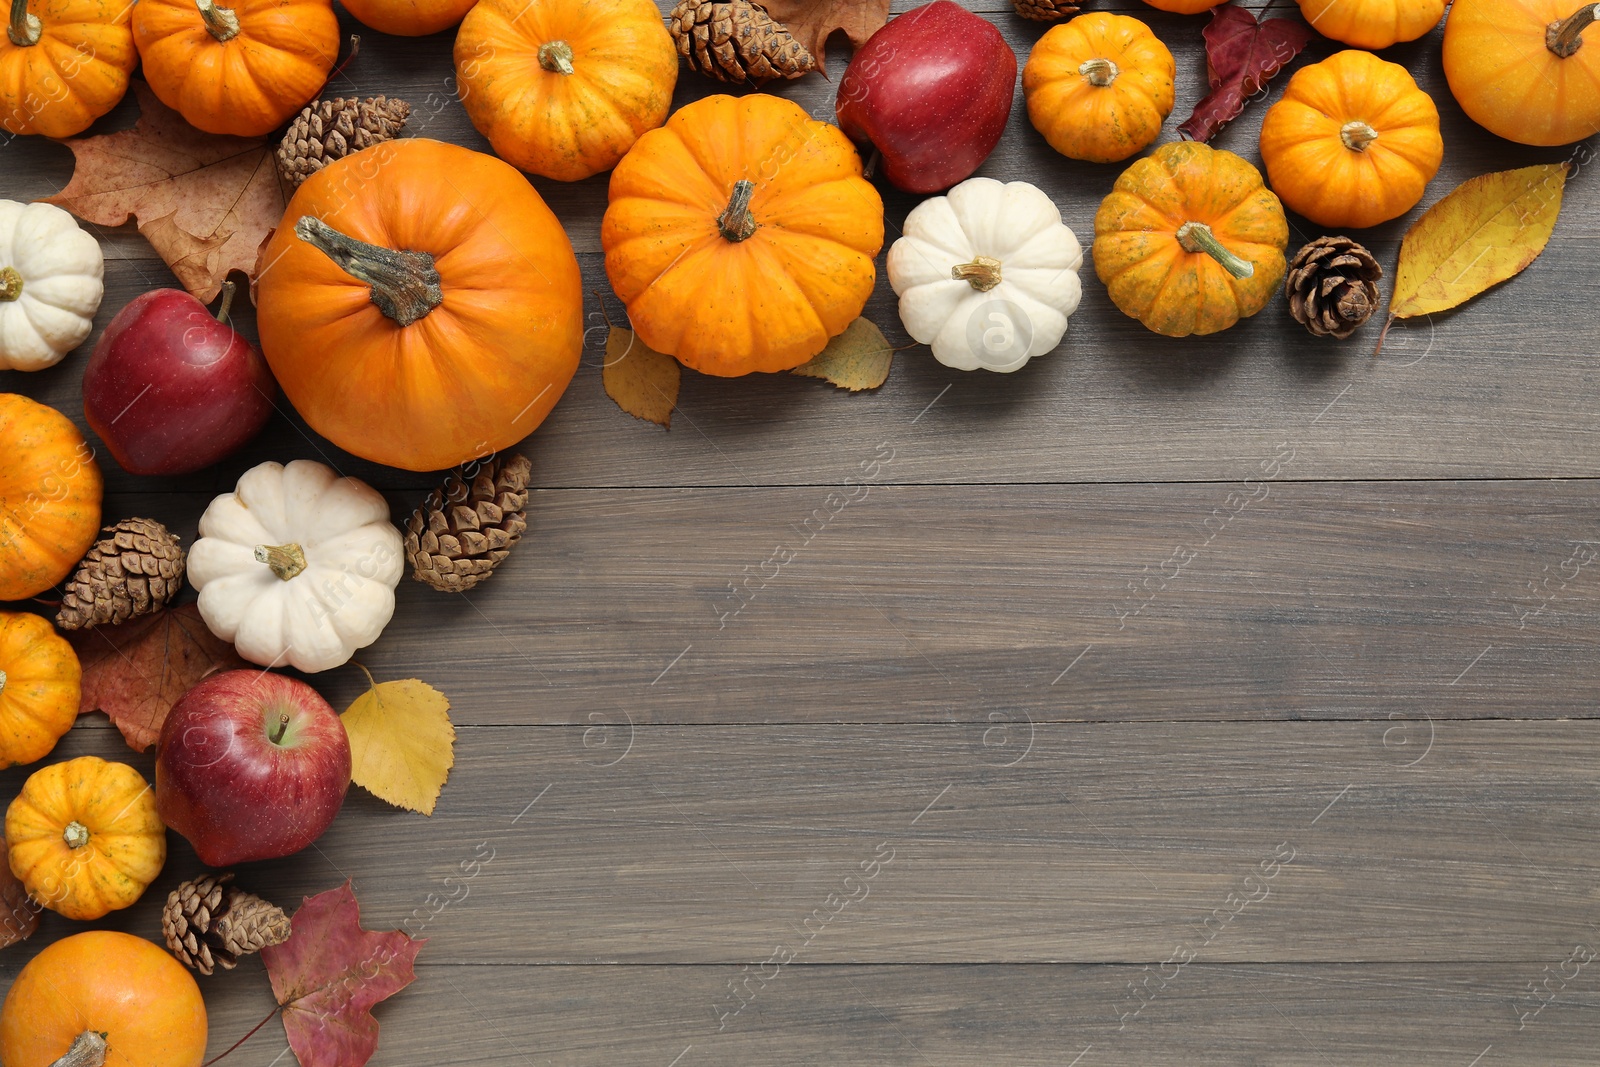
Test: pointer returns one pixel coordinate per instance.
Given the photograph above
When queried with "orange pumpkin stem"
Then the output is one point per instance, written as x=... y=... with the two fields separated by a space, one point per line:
x=736 y=223
x=405 y=285
x=1356 y=135
x=1197 y=237
x=1565 y=37
x=75 y=834
x=10 y=284
x=983 y=273
x=1098 y=72
x=287 y=561
x=88 y=1050
x=2 y=681
x=25 y=29
x=221 y=22
x=556 y=57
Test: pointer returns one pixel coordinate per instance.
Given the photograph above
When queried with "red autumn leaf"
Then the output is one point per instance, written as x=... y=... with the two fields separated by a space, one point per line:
x=1242 y=55
x=135 y=672
x=330 y=973
x=21 y=915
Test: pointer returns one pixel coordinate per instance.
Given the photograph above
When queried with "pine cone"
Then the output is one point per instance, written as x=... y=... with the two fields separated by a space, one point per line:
x=736 y=41
x=133 y=572
x=207 y=922
x=1045 y=10
x=1332 y=286
x=463 y=530
x=332 y=129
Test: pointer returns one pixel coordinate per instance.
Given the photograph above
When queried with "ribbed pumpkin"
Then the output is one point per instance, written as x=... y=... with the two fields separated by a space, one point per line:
x=241 y=70
x=1099 y=87
x=39 y=687
x=564 y=88
x=50 y=492
x=63 y=64
x=1518 y=68
x=84 y=837
x=421 y=305
x=741 y=235
x=1184 y=7
x=408 y=18
x=1372 y=23
x=1190 y=241
x=1353 y=141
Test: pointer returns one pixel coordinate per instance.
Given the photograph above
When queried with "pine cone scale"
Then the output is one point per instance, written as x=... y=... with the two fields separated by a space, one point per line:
x=1332 y=286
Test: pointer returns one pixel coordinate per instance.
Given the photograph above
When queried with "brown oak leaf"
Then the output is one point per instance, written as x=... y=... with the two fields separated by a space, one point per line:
x=813 y=21
x=135 y=672
x=329 y=975
x=1242 y=55
x=205 y=203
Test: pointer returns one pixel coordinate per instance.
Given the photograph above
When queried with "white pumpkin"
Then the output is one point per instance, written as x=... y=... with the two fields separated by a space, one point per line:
x=51 y=282
x=297 y=566
x=987 y=274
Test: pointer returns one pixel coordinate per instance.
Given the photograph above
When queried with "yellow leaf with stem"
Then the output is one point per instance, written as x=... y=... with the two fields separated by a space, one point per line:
x=402 y=744
x=642 y=381
x=857 y=359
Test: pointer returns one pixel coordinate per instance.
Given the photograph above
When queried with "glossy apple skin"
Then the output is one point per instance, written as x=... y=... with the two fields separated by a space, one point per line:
x=931 y=91
x=223 y=783
x=170 y=390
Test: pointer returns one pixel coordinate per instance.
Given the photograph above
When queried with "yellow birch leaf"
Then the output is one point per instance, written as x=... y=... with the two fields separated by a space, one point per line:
x=642 y=381
x=402 y=745
x=1486 y=230
x=855 y=360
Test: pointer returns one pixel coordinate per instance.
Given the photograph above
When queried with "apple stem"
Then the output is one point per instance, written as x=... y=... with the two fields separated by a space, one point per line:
x=736 y=223
x=1356 y=135
x=287 y=561
x=76 y=835
x=1197 y=237
x=1565 y=37
x=221 y=22
x=983 y=273
x=870 y=168
x=283 y=727
x=556 y=57
x=88 y=1050
x=228 y=291
x=25 y=29
x=405 y=285
x=1098 y=72
x=10 y=284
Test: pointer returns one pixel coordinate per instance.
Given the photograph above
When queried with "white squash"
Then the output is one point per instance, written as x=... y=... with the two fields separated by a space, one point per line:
x=51 y=282
x=987 y=274
x=297 y=566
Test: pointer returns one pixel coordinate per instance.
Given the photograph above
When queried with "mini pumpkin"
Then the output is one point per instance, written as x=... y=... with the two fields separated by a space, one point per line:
x=1184 y=7
x=987 y=274
x=39 y=687
x=563 y=88
x=1372 y=23
x=1190 y=241
x=1518 y=68
x=243 y=70
x=408 y=18
x=63 y=64
x=741 y=235
x=1099 y=87
x=1353 y=141
x=297 y=566
x=84 y=837
x=51 y=282
x=50 y=489
x=103 y=991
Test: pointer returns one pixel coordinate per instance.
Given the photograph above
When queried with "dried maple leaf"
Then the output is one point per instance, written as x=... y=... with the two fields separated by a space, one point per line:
x=1242 y=55
x=813 y=21
x=855 y=360
x=642 y=381
x=402 y=744
x=136 y=672
x=205 y=203
x=330 y=973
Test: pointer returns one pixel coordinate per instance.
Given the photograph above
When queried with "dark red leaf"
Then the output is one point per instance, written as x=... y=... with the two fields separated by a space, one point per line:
x=1242 y=55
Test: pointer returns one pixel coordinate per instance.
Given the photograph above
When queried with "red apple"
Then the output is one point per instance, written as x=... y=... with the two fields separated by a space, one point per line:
x=170 y=389
x=931 y=91
x=251 y=765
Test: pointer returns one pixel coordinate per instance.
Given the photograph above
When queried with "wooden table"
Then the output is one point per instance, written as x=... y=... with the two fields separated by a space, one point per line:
x=975 y=778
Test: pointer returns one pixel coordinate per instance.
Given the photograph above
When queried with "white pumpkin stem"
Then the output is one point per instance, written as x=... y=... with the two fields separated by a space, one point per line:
x=1356 y=135
x=287 y=561
x=983 y=273
x=221 y=22
x=405 y=285
x=736 y=223
x=10 y=284
x=88 y=1050
x=556 y=57
x=1197 y=237
x=25 y=29
x=1565 y=37
x=1098 y=72
x=76 y=835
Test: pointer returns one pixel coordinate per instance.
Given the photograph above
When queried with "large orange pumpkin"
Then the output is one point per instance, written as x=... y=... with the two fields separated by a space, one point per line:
x=39 y=687
x=564 y=88
x=1519 y=68
x=138 y=1002
x=241 y=70
x=420 y=304
x=50 y=490
x=63 y=64
x=409 y=18
x=741 y=235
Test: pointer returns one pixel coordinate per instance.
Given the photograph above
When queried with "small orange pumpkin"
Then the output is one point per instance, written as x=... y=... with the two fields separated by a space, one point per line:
x=564 y=88
x=39 y=687
x=408 y=18
x=1372 y=23
x=1190 y=241
x=63 y=64
x=242 y=70
x=1518 y=68
x=50 y=490
x=1353 y=142
x=1184 y=7
x=108 y=991
x=1099 y=87
x=741 y=235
